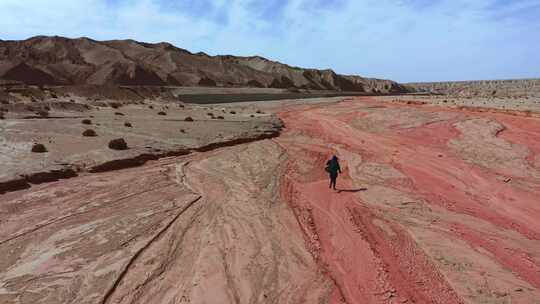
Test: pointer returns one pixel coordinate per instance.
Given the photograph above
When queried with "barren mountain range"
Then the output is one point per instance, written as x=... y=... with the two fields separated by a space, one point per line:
x=83 y=61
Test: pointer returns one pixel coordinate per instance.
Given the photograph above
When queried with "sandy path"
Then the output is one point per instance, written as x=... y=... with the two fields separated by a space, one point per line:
x=441 y=206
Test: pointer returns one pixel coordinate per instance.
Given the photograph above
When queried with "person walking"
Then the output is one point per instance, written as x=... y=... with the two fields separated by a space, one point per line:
x=333 y=168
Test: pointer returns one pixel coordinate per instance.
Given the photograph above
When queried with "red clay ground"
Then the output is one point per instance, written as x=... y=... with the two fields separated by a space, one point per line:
x=436 y=205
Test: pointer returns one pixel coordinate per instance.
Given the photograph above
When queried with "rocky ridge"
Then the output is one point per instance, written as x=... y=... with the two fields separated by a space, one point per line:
x=62 y=61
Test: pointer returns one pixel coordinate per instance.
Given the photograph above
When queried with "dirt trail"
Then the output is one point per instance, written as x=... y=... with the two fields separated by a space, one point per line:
x=437 y=206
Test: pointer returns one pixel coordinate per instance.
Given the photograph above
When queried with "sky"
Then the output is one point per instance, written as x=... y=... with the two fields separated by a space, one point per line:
x=403 y=40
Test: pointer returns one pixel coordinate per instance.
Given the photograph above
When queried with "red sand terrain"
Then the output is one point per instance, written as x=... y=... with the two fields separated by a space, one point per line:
x=435 y=205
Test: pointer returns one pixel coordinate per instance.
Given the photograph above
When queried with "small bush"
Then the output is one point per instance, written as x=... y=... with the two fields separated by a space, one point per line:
x=89 y=133
x=86 y=122
x=182 y=131
x=2 y=115
x=188 y=119
x=210 y=114
x=150 y=107
x=39 y=148
x=220 y=117
x=72 y=100
x=127 y=124
x=118 y=114
x=115 y=105
x=207 y=82
x=162 y=113
x=259 y=112
x=118 y=144
x=233 y=112
x=4 y=101
x=251 y=115
x=42 y=113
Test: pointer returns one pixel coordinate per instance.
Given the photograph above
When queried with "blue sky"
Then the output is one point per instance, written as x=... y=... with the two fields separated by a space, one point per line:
x=404 y=40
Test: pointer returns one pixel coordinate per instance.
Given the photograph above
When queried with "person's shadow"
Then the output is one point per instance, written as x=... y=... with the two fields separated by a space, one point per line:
x=351 y=190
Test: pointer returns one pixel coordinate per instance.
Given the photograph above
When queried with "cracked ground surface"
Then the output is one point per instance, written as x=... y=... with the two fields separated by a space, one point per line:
x=435 y=205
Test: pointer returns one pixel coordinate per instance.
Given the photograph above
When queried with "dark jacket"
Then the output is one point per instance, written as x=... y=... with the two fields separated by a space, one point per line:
x=332 y=166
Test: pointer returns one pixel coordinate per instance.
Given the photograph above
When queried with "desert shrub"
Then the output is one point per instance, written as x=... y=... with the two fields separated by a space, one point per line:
x=72 y=100
x=86 y=122
x=118 y=144
x=252 y=115
x=233 y=112
x=2 y=115
x=207 y=82
x=188 y=119
x=3 y=101
x=118 y=114
x=150 y=107
x=162 y=113
x=210 y=114
x=39 y=148
x=220 y=117
x=259 y=112
x=89 y=133
x=182 y=131
x=42 y=113
x=115 y=105
x=127 y=124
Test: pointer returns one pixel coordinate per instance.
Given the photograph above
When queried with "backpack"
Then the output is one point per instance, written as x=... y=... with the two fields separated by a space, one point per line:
x=327 y=168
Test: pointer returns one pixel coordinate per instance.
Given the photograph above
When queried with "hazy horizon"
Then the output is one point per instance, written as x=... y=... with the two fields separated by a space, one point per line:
x=406 y=41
